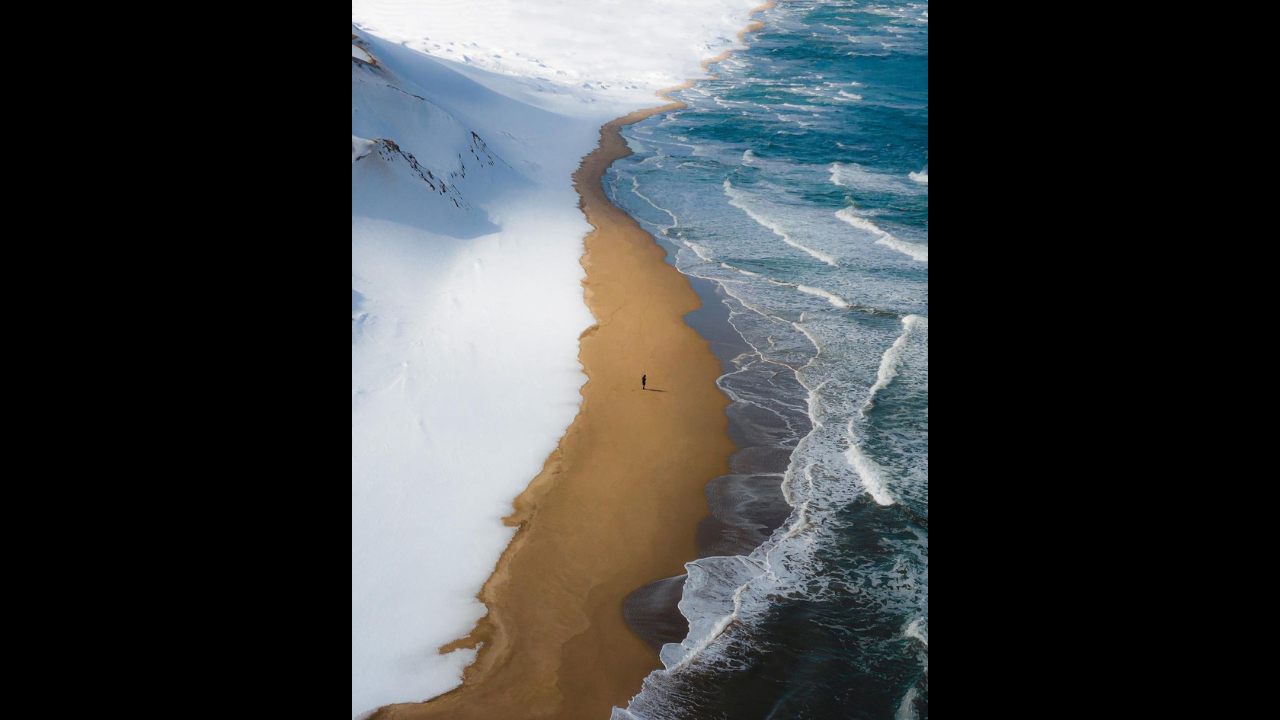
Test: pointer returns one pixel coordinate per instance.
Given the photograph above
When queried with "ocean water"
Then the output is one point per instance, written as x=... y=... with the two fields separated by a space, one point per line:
x=794 y=192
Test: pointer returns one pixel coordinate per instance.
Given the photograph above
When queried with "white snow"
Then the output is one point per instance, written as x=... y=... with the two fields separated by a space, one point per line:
x=616 y=48
x=465 y=284
x=361 y=147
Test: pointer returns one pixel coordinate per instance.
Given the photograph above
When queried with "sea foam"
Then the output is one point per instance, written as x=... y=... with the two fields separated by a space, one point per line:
x=907 y=710
x=916 y=251
x=819 y=292
x=892 y=357
x=739 y=199
x=855 y=177
x=874 y=478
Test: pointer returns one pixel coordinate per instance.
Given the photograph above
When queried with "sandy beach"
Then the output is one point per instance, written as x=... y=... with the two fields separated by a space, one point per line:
x=618 y=503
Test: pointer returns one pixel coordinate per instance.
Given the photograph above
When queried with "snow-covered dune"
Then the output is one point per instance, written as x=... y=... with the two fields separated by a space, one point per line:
x=465 y=313
x=466 y=302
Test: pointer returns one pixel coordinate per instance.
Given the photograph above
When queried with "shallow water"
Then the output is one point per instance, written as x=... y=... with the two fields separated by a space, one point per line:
x=794 y=192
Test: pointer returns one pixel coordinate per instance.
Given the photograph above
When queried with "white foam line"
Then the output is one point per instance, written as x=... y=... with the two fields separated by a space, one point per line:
x=819 y=292
x=907 y=710
x=768 y=316
x=916 y=251
x=635 y=188
x=913 y=631
x=892 y=357
x=735 y=397
x=816 y=292
x=704 y=254
x=700 y=251
x=873 y=476
x=717 y=629
x=755 y=352
x=813 y=359
x=735 y=199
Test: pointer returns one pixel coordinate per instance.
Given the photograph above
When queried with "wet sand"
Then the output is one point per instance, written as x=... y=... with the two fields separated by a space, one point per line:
x=618 y=504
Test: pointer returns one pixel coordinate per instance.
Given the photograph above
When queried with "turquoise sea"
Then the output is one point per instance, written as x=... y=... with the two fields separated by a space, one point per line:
x=793 y=190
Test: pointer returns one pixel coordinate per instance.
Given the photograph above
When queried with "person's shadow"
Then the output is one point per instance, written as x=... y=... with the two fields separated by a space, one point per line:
x=649 y=389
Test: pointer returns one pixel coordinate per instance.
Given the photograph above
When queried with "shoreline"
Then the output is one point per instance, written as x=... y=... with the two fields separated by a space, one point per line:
x=619 y=503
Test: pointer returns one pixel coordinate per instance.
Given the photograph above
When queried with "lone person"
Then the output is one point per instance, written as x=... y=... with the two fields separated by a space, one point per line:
x=643 y=379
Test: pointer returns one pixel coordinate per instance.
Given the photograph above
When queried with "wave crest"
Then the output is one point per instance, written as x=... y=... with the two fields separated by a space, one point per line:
x=916 y=251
